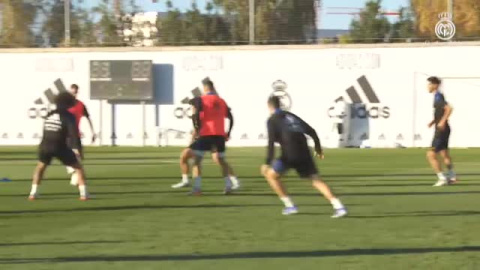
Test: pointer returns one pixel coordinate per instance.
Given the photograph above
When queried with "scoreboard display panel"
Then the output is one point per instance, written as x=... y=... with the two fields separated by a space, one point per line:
x=121 y=80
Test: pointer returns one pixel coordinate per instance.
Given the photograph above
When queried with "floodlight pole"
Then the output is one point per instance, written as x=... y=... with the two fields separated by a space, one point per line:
x=251 y=7
x=67 y=22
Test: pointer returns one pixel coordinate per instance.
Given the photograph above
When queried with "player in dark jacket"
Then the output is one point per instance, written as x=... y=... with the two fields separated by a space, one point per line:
x=60 y=140
x=288 y=130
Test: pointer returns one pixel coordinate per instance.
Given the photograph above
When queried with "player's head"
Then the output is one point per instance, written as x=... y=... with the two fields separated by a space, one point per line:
x=433 y=84
x=273 y=104
x=64 y=101
x=208 y=86
x=74 y=90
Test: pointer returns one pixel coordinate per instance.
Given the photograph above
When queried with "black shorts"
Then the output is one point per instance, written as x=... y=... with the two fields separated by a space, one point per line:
x=80 y=147
x=209 y=143
x=305 y=167
x=440 y=140
x=64 y=154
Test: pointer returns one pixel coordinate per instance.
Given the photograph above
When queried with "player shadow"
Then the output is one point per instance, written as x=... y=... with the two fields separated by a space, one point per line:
x=419 y=214
x=68 y=243
x=326 y=176
x=135 y=207
x=172 y=178
x=246 y=255
x=63 y=195
x=426 y=184
x=344 y=194
x=410 y=193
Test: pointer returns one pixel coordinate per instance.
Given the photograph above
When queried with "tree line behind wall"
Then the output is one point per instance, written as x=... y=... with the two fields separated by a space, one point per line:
x=40 y=23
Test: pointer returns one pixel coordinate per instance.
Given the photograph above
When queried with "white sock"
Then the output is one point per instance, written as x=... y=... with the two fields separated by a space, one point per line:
x=74 y=179
x=337 y=204
x=197 y=183
x=185 y=178
x=70 y=170
x=452 y=173
x=228 y=182
x=34 y=189
x=287 y=201
x=83 y=191
x=234 y=180
x=441 y=176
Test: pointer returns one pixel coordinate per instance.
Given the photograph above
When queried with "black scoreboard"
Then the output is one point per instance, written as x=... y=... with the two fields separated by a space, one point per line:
x=121 y=80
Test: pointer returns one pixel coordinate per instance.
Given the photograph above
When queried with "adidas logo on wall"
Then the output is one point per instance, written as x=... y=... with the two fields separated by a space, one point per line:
x=45 y=102
x=367 y=107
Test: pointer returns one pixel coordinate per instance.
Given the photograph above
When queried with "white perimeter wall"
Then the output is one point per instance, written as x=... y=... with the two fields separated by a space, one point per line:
x=315 y=77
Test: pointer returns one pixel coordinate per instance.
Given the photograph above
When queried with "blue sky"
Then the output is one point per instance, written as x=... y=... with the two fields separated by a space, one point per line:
x=328 y=22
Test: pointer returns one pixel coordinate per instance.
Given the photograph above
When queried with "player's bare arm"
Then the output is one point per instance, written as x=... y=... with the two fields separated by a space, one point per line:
x=94 y=135
x=448 y=111
x=230 y=119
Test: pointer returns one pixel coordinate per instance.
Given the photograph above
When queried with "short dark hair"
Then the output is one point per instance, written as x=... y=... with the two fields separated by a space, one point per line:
x=64 y=101
x=434 y=80
x=208 y=83
x=274 y=101
x=74 y=86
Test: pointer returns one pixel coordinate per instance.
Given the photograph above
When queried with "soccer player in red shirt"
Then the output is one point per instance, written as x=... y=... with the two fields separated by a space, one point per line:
x=79 y=110
x=210 y=112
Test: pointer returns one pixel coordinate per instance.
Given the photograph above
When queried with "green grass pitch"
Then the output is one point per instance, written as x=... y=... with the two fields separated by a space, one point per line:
x=136 y=221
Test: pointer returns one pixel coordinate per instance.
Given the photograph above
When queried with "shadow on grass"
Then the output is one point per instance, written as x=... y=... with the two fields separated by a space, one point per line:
x=58 y=243
x=337 y=178
x=420 y=214
x=172 y=178
x=346 y=194
x=246 y=255
x=426 y=184
x=136 y=207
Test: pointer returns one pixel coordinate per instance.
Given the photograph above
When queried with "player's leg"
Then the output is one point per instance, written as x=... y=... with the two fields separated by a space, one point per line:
x=45 y=156
x=445 y=155
x=306 y=168
x=68 y=158
x=71 y=171
x=186 y=155
x=199 y=148
x=273 y=177
x=82 y=182
x=197 y=172
x=218 y=145
x=432 y=159
x=325 y=190
x=437 y=146
x=231 y=173
x=235 y=183
x=447 y=160
x=37 y=178
x=220 y=159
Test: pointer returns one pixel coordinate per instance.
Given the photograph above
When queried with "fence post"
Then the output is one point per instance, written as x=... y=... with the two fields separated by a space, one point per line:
x=450 y=7
x=67 y=22
x=251 y=8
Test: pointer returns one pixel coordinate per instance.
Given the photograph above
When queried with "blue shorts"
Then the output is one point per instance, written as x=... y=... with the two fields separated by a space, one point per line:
x=204 y=144
x=305 y=168
x=440 y=140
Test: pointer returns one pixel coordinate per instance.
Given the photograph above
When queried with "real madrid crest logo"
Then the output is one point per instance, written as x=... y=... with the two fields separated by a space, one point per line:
x=280 y=90
x=445 y=28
